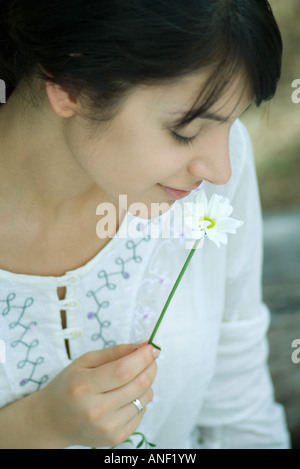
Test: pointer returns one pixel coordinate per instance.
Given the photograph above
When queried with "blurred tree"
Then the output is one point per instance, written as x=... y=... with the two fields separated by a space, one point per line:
x=275 y=127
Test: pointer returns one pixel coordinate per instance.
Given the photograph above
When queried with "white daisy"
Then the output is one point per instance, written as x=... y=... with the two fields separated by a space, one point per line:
x=201 y=218
x=211 y=219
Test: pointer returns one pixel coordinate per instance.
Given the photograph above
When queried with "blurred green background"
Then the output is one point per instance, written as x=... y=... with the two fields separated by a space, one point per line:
x=275 y=132
x=275 y=126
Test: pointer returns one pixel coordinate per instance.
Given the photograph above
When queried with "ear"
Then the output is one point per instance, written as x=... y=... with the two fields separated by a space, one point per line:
x=62 y=102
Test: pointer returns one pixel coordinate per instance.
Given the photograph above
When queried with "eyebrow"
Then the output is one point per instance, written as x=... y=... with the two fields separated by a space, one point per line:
x=215 y=117
x=212 y=116
x=208 y=115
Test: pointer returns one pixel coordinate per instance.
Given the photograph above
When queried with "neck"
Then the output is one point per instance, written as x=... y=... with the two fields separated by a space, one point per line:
x=37 y=169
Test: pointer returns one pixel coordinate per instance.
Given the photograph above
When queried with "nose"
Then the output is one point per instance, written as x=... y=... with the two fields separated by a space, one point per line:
x=213 y=164
x=219 y=176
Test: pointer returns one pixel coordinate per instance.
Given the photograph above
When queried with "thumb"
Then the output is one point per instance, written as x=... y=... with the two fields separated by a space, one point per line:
x=97 y=358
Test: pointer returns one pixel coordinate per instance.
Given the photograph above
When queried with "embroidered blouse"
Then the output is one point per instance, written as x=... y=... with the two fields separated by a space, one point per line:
x=213 y=388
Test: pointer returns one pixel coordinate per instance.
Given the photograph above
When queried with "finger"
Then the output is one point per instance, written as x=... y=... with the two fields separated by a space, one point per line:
x=131 y=418
x=117 y=373
x=97 y=358
x=123 y=422
x=139 y=385
x=130 y=411
x=121 y=435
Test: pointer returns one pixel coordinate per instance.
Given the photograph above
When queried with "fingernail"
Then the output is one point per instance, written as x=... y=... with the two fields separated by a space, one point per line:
x=156 y=351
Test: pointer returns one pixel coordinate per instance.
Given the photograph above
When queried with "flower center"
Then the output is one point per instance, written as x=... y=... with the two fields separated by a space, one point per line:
x=212 y=222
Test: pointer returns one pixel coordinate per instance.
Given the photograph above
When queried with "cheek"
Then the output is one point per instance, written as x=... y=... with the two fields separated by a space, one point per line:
x=128 y=158
x=141 y=157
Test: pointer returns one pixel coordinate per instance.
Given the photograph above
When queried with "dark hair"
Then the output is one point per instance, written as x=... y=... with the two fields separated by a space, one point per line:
x=101 y=49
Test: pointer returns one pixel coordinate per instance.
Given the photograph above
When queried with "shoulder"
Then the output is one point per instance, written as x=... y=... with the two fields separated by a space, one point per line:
x=240 y=146
x=241 y=152
x=239 y=136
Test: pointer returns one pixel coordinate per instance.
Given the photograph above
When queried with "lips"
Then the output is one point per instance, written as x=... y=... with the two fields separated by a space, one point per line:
x=175 y=193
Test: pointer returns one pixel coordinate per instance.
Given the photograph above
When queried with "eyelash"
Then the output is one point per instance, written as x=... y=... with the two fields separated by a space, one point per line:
x=183 y=140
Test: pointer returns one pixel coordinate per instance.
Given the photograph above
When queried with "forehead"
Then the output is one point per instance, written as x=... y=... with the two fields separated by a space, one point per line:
x=179 y=96
x=193 y=92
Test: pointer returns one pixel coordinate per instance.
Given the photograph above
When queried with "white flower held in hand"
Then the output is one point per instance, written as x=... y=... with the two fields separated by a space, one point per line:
x=210 y=218
x=203 y=218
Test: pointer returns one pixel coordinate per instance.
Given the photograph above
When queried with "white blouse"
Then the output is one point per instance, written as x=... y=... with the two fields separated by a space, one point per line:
x=212 y=388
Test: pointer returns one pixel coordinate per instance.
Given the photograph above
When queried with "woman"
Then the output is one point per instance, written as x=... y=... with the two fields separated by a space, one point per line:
x=138 y=99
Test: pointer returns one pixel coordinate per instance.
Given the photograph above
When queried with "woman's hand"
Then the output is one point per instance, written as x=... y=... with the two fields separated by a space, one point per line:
x=89 y=403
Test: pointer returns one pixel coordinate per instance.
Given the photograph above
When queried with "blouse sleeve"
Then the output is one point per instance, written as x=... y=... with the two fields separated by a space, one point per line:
x=239 y=410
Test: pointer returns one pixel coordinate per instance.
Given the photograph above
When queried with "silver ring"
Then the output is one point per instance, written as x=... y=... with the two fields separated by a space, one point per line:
x=137 y=403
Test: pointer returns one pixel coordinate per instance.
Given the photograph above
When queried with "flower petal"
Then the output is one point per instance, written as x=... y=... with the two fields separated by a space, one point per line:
x=228 y=225
x=210 y=218
x=219 y=207
x=216 y=237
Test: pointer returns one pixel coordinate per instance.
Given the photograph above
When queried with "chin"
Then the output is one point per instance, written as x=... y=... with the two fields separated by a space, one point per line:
x=149 y=211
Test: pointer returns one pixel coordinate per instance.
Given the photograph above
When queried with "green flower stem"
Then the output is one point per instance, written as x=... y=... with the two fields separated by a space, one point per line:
x=172 y=293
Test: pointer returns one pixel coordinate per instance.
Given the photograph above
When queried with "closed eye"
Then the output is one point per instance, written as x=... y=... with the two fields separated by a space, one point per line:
x=183 y=140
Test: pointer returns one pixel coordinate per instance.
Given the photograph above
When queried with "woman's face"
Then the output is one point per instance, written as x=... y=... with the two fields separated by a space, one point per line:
x=139 y=151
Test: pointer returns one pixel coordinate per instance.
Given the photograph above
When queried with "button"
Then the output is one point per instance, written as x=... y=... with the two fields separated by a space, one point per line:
x=73 y=280
x=74 y=333
x=70 y=304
